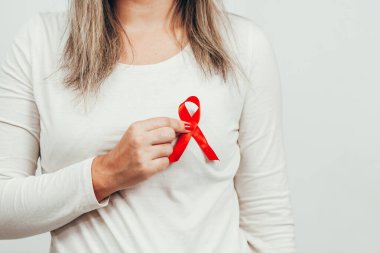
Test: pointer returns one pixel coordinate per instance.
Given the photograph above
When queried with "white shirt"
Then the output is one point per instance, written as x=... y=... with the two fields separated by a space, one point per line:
x=239 y=203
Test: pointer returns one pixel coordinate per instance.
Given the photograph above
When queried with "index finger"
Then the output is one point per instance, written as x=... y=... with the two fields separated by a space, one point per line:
x=157 y=122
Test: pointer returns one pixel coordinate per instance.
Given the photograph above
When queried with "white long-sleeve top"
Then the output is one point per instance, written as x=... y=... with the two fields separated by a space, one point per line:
x=239 y=203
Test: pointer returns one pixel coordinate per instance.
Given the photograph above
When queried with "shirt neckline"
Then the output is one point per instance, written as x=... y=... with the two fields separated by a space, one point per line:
x=174 y=60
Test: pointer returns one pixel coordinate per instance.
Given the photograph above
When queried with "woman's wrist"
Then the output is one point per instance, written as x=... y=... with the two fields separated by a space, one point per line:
x=102 y=179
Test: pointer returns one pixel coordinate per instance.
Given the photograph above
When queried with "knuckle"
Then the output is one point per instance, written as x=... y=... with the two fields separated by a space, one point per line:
x=179 y=123
x=159 y=168
x=134 y=141
x=170 y=133
x=133 y=127
x=167 y=121
x=161 y=165
x=164 y=163
x=169 y=149
x=137 y=140
x=162 y=133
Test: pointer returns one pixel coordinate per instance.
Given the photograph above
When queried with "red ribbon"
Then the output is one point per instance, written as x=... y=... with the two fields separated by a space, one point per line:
x=196 y=133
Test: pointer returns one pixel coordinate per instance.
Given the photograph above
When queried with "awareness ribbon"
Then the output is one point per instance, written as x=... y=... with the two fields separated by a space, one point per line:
x=196 y=133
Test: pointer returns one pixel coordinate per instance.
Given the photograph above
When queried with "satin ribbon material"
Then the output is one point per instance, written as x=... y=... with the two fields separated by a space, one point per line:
x=196 y=133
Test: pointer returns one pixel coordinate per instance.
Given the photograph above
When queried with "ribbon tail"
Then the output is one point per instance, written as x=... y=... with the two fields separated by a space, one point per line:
x=179 y=147
x=202 y=142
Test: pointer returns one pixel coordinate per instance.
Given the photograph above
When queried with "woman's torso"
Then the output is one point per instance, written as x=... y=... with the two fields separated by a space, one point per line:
x=190 y=207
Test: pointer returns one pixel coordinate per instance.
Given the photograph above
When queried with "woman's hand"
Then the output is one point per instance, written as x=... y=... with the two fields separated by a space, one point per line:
x=142 y=151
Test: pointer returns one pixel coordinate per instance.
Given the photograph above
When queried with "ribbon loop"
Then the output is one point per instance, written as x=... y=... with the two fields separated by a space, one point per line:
x=196 y=133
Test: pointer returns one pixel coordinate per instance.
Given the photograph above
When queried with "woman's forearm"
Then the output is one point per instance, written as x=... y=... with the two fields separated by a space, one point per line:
x=37 y=204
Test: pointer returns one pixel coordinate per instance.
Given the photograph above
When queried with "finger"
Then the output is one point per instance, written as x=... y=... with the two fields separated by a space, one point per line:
x=161 y=150
x=157 y=122
x=159 y=164
x=161 y=135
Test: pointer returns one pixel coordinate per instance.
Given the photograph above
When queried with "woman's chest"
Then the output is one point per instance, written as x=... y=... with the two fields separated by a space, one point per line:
x=69 y=133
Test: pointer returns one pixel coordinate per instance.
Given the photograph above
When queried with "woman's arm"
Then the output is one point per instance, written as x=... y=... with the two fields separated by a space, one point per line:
x=30 y=204
x=261 y=180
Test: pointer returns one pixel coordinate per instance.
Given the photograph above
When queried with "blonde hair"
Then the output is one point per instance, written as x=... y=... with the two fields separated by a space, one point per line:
x=95 y=41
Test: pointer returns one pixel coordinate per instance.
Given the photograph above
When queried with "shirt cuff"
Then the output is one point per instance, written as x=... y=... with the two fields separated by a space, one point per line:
x=89 y=200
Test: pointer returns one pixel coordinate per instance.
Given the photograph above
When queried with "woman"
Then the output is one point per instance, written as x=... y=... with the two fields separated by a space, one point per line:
x=107 y=182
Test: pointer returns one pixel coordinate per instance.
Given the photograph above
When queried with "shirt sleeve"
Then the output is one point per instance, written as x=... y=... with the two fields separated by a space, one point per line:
x=31 y=204
x=261 y=181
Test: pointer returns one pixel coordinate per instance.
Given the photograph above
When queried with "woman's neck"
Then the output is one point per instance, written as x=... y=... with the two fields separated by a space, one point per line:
x=144 y=13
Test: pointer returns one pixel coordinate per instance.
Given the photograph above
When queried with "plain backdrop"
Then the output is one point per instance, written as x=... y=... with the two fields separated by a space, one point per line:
x=329 y=57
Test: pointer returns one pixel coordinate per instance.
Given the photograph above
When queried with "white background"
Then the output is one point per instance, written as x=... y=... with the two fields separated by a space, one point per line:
x=329 y=57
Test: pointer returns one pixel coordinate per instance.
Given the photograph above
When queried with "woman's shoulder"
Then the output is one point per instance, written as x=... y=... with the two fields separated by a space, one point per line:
x=245 y=29
x=241 y=23
x=42 y=31
x=50 y=23
x=248 y=37
x=40 y=39
x=43 y=22
x=53 y=17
